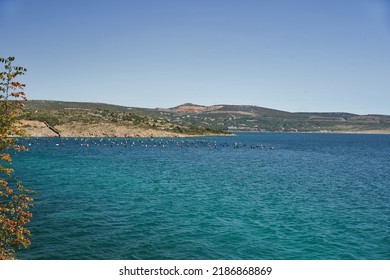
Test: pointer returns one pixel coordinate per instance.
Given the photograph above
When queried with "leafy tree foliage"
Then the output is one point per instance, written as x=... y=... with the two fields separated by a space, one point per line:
x=15 y=200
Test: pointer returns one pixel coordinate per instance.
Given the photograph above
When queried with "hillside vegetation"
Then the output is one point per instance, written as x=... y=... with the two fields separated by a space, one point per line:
x=254 y=118
x=98 y=119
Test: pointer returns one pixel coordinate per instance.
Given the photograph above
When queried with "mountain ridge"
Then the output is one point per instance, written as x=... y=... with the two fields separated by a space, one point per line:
x=220 y=117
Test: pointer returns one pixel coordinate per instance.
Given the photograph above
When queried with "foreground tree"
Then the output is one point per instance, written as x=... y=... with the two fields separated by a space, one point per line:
x=15 y=200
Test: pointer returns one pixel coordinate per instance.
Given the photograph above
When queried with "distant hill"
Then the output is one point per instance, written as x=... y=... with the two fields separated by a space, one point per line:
x=59 y=118
x=196 y=119
x=255 y=118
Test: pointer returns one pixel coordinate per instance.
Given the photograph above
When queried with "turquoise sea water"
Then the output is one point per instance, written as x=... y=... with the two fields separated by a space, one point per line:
x=253 y=196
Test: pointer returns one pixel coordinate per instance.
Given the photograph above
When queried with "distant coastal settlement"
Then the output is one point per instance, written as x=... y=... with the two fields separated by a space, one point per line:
x=76 y=119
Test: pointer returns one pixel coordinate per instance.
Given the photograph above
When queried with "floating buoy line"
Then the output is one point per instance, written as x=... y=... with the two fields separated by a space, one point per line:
x=144 y=143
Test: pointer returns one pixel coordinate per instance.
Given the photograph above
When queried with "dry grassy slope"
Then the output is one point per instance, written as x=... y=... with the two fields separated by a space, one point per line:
x=73 y=119
x=78 y=129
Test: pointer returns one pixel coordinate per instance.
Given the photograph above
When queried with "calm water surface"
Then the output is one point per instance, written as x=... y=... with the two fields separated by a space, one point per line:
x=254 y=196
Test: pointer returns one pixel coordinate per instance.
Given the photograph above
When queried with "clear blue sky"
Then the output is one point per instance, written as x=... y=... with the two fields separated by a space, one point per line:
x=294 y=55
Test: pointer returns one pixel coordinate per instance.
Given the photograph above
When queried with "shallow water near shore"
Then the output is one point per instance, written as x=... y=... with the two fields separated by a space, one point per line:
x=253 y=196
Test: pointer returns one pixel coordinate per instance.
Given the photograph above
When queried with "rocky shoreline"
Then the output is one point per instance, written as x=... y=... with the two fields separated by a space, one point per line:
x=75 y=129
